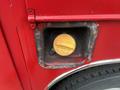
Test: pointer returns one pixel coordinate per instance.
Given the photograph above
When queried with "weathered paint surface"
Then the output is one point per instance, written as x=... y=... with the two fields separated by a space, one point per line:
x=20 y=36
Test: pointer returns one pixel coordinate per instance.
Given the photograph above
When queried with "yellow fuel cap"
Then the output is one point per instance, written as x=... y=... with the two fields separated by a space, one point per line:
x=64 y=44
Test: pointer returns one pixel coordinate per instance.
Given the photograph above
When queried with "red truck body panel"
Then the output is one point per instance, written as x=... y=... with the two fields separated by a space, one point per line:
x=73 y=7
x=16 y=27
x=9 y=79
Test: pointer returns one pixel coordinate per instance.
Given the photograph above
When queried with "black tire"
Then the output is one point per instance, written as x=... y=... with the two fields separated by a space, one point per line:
x=106 y=77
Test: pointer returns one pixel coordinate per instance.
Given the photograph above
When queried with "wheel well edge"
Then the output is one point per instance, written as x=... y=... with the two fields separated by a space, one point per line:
x=87 y=66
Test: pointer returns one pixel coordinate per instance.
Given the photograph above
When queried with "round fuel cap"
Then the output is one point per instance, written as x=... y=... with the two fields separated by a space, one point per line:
x=64 y=44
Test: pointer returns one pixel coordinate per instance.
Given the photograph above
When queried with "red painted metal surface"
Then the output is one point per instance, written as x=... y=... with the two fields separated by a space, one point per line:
x=9 y=79
x=70 y=10
x=11 y=16
x=73 y=7
x=20 y=36
x=62 y=18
